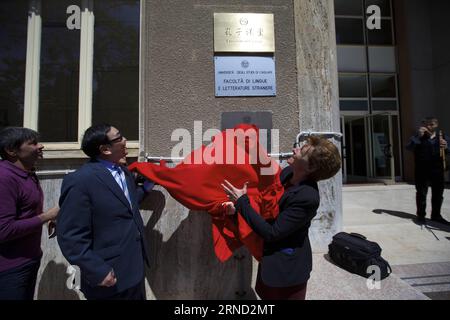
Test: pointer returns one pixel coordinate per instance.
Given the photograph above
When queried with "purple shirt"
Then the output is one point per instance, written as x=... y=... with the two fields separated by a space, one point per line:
x=21 y=201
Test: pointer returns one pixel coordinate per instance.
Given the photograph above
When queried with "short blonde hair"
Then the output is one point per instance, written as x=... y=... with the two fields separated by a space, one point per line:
x=324 y=159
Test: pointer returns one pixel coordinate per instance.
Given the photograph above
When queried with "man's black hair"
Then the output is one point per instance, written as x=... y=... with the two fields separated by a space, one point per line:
x=11 y=138
x=428 y=120
x=93 y=138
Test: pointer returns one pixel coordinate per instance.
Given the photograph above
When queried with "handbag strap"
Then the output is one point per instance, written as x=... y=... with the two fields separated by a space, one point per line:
x=387 y=264
x=358 y=235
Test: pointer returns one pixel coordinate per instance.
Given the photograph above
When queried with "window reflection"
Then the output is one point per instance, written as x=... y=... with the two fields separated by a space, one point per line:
x=385 y=6
x=352 y=86
x=60 y=55
x=13 y=46
x=349 y=31
x=381 y=146
x=381 y=36
x=383 y=86
x=116 y=65
x=353 y=105
x=348 y=7
x=384 y=105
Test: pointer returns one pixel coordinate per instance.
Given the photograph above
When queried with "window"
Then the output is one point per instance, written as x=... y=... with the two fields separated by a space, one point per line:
x=348 y=7
x=384 y=92
x=385 y=6
x=383 y=86
x=352 y=58
x=59 y=74
x=349 y=31
x=13 y=47
x=366 y=58
x=83 y=76
x=353 y=105
x=352 y=86
x=382 y=59
x=383 y=36
x=384 y=105
x=116 y=65
x=351 y=18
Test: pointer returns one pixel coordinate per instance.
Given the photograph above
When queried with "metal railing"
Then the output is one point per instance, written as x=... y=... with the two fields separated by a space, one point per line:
x=283 y=155
x=304 y=134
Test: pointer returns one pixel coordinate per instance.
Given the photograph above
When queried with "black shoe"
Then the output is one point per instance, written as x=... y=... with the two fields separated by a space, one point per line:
x=441 y=220
x=421 y=220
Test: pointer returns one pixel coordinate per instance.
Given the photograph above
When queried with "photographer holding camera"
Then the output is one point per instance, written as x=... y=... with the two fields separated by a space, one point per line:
x=430 y=149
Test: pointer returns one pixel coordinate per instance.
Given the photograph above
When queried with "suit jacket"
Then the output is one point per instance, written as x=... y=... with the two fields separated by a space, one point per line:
x=427 y=154
x=287 y=256
x=99 y=231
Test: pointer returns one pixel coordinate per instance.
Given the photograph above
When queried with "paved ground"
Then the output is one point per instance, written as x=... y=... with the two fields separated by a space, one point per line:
x=419 y=255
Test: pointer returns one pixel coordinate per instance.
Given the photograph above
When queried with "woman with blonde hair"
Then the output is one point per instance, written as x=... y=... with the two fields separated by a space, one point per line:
x=286 y=264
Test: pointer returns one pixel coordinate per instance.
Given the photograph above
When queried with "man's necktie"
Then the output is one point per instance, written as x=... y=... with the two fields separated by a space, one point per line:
x=120 y=178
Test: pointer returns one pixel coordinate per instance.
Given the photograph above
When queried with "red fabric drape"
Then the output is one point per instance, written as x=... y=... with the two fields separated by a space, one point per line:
x=196 y=183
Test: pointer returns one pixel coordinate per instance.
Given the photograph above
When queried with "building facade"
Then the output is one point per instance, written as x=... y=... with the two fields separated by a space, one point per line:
x=148 y=68
x=389 y=79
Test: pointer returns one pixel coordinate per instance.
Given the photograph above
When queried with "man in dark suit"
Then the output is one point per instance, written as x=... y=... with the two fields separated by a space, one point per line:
x=286 y=264
x=99 y=226
x=427 y=146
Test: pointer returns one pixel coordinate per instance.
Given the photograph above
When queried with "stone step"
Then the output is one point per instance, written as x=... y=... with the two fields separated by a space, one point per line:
x=432 y=279
x=330 y=282
x=435 y=283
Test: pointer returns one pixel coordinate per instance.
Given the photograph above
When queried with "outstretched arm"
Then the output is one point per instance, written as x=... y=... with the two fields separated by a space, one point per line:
x=295 y=216
x=288 y=221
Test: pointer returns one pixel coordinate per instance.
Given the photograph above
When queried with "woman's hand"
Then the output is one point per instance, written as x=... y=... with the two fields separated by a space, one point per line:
x=232 y=192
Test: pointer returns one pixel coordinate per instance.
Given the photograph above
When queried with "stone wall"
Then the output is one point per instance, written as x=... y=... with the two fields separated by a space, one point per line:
x=177 y=88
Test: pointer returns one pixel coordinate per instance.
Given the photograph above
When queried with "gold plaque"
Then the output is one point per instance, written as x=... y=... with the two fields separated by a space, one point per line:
x=243 y=32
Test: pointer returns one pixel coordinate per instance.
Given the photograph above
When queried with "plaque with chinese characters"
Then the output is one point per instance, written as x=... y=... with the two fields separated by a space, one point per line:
x=244 y=32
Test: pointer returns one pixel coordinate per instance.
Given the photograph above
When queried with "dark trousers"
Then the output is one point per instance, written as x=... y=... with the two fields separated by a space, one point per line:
x=134 y=293
x=19 y=283
x=423 y=181
x=297 y=292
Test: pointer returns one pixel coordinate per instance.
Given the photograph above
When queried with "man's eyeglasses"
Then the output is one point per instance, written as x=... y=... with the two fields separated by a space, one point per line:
x=118 y=139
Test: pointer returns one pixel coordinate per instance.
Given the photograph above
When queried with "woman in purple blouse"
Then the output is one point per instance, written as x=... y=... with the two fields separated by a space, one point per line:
x=21 y=214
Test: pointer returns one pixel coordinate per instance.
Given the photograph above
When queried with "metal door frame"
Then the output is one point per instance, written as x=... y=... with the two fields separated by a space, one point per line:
x=384 y=179
x=368 y=133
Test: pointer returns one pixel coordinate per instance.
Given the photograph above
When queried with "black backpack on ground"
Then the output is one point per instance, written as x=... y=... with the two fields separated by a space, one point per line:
x=354 y=253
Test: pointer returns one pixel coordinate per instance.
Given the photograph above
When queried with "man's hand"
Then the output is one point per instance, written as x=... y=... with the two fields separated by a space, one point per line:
x=232 y=192
x=229 y=208
x=110 y=280
x=51 y=225
x=49 y=215
x=423 y=131
x=443 y=143
x=148 y=185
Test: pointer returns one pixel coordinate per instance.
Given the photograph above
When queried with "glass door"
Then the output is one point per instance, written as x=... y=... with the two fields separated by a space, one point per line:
x=343 y=150
x=371 y=148
x=382 y=148
x=355 y=150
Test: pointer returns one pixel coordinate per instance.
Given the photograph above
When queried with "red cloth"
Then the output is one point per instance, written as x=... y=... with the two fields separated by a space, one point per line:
x=197 y=185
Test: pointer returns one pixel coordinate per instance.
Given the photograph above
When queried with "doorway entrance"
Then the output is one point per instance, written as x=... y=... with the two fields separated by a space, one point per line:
x=371 y=149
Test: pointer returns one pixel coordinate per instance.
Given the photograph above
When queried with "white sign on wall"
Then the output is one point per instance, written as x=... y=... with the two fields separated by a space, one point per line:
x=240 y=76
